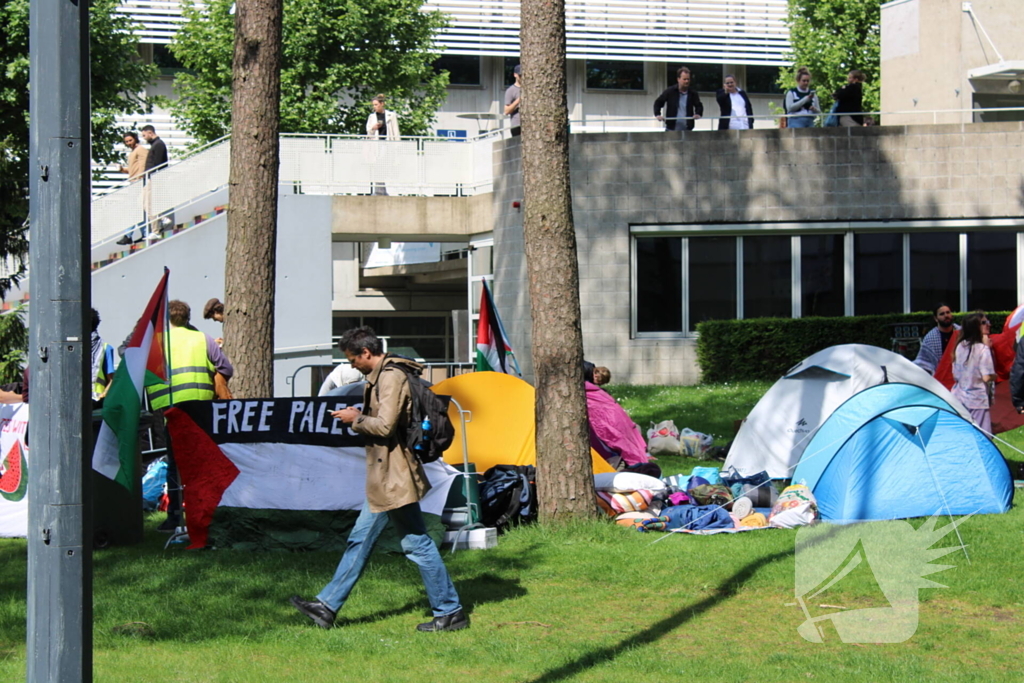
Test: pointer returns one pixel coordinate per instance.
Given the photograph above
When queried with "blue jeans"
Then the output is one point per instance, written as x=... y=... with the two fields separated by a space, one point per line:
x=417 y=546
x=801 y=122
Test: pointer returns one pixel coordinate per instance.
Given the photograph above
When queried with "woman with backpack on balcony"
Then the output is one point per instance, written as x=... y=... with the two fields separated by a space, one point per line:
x=802 y=100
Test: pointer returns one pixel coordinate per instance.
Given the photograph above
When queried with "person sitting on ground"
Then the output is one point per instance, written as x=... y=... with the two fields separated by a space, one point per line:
x=613 y=434
x=602 y=375
x=935 y=342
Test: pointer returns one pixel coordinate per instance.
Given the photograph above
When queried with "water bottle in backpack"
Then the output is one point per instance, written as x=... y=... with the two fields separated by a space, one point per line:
x=425 y=432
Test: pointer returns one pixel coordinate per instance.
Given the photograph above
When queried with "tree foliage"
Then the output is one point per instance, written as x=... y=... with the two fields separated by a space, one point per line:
x=337 y=55
x=13 y=343
x=832 y=37
x=118 y=79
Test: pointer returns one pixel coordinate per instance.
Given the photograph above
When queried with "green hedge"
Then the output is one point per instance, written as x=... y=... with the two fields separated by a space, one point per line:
x=764 y=348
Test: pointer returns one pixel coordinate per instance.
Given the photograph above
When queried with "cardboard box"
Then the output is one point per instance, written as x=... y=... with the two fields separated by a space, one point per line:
x=474 y=539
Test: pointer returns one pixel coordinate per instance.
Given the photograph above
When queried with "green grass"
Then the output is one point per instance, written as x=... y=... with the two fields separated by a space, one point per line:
x=592 y=602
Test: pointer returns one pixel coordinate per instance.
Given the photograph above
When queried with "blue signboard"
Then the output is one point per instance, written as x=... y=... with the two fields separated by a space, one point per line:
x=451 y=134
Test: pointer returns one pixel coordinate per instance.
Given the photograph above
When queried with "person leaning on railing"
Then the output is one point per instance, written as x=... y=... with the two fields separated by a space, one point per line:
x=802 y=100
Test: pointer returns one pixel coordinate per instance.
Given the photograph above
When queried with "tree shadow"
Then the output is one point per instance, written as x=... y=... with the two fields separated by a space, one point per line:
x=660 y=628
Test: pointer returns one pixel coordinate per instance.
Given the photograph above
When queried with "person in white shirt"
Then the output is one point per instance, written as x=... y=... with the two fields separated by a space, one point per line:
x=736 y=111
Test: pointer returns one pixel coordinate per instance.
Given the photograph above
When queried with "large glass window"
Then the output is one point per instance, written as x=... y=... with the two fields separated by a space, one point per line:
x=462 y=70
x=609 y=74
x=992 y=271
x=934 y=269
x=767 y=277
x=878 y=273
x=763 y=79
x=659 y=282
x=822 y=275
x=426 y=336
x=712 y=281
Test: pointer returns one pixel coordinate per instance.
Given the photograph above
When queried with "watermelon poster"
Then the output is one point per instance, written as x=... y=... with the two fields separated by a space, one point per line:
x=14 y=464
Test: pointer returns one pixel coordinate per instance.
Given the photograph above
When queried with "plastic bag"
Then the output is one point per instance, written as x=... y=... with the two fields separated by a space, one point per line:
x=708 y=473
x=796 y=507
x=663 y=438
x=694 y=444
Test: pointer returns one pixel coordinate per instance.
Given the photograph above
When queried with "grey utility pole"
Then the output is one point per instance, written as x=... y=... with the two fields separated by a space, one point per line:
x=59 y=553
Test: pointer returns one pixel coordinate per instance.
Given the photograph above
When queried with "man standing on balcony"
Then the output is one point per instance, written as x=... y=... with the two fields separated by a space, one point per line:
x=681 y=104
x=136 y=168
x=156 y=158
x=381 y=125
x=513 y=97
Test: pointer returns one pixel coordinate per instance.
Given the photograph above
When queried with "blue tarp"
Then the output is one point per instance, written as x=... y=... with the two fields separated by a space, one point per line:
x=895 y=451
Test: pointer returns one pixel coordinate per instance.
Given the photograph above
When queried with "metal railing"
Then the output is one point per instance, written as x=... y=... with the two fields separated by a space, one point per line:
x=310 y=164
x=710 y=121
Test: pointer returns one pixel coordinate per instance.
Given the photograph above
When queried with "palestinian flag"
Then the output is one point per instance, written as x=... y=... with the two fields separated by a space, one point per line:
x=493 y=350
x=278 y=474
x=144 y=363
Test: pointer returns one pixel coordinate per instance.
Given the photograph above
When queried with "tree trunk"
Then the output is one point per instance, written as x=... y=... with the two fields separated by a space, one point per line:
x=565 y=483
x=252 y=203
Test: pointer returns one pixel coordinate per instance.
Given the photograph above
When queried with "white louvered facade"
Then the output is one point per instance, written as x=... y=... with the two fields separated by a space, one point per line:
x=709 y=31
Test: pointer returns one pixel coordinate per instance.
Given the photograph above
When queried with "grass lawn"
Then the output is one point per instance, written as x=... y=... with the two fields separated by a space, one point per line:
x=593 y=602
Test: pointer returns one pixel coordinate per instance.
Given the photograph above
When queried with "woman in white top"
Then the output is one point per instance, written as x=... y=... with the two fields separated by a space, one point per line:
x=973 y=369
x=382 y=124
x=736 y=111
x=802 y=100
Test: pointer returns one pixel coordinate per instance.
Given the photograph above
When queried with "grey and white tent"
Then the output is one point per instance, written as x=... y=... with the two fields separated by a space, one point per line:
x=777 y=430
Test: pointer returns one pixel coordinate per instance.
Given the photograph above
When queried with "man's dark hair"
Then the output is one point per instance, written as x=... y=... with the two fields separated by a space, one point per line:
x=133 y=135
x=95 y=319
x=179 y=312
x=148 y=128
x=941 y=304
x=359 y=338
x=682 y=70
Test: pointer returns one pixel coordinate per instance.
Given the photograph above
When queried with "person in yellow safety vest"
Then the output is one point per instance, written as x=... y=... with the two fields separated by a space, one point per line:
x=104 y=361
x=195 y=362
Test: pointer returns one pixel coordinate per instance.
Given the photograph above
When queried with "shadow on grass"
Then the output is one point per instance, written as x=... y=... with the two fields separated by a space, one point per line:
x=653 y=632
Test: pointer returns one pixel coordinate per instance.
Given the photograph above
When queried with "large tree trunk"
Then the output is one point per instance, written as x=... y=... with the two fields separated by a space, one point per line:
x=565 y=484
x=252 y=209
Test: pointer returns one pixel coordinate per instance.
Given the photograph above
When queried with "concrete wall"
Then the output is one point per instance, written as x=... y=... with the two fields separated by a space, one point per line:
x=195 y=257
x=928 y=46
x=716 y=179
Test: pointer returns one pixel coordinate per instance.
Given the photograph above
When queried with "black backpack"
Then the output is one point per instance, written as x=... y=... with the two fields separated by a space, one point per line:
x=426 y=404
x=508 y=496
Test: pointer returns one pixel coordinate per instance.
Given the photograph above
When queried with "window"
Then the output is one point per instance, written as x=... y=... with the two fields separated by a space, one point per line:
x=822 y=274
x=463 y=70
x=607 y=74
x=934 y=269
x=703 y=77
x=425 y=336
x=763 y=79
x=712 y=279
x=878 y=273
x=992 y=271
x=659 y=281
x=767 y=277
x=165 y=60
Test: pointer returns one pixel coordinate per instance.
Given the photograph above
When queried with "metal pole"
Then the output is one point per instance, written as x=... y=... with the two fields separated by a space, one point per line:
x=59 y=633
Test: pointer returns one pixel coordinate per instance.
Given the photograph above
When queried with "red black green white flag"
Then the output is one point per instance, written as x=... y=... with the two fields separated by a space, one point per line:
x=493 y=349
x=144 y=364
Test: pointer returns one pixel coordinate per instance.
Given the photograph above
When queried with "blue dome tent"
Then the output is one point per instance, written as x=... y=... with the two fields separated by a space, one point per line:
x=897 y=450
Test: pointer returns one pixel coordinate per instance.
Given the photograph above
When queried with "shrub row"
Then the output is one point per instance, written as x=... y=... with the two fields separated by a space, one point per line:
x=765 y=348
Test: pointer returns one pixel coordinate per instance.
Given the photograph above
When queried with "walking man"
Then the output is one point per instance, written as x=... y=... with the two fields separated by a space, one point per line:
x=395 y=483
x=682 y=105
x=156 y=159
x=136 y=169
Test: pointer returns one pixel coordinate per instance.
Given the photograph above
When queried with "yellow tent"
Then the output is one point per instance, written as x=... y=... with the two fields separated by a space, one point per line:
x=500 y=429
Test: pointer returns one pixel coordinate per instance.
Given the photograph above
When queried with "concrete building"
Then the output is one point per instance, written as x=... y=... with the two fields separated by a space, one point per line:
x=952 y=55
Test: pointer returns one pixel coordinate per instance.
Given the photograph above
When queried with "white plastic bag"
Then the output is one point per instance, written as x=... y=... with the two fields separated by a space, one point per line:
x=694 y=444
x=663 y=438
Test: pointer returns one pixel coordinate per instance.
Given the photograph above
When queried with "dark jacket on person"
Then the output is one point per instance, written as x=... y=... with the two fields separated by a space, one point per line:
x=157 y=154
x=849 y=99
x=1017 y=377
x=669 y=99
x=725 y=104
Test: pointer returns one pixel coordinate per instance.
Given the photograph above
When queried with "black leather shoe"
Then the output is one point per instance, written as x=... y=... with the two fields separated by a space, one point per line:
x=449 y=622
x=125 y=240
x=320 y=613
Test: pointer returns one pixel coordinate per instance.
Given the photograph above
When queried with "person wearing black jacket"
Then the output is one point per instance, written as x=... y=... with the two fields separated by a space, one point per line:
x=157 y=149
x=850 y=100
x=669 y=100
x=1017 y=378
x=736 y=111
